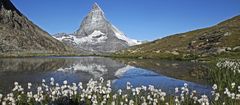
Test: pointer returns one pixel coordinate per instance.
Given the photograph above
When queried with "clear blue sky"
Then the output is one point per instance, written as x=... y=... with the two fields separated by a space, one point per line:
x=138 y=19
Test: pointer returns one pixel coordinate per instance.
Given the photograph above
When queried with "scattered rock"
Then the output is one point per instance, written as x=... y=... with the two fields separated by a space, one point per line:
x=227 y=34
x=175 y=53
x=175 y=64
x=158 y=51
x=237 y=48
x=221 y=50
x=228 y=49
x=167 y=52
x=134 y=52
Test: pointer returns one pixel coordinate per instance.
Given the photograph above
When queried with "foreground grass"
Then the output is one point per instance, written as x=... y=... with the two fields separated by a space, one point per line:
x=226 y=73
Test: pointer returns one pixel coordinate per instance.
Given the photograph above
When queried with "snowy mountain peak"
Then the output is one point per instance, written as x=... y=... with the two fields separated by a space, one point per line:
x=97 y=34
x=96 y=7
x=96 y=20
x=96 y=12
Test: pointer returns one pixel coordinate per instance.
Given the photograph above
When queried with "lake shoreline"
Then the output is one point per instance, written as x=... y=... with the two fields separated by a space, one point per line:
x=28 y=55
x=207 y=60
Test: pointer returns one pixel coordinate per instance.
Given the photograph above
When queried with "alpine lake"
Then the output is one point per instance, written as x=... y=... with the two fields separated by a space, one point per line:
x=163 y=74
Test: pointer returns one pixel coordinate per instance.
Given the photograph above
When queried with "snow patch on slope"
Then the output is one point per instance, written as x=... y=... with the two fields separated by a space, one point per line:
x=97 y=37
x=120 y=35
x=94 y=38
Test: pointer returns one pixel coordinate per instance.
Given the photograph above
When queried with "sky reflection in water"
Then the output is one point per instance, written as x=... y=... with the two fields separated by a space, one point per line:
x=76 y=69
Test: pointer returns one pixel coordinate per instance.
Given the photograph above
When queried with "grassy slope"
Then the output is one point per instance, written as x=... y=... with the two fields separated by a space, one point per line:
x=205 y=41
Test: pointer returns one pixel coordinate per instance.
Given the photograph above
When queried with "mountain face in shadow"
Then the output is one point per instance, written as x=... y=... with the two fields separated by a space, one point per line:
x=20 y=35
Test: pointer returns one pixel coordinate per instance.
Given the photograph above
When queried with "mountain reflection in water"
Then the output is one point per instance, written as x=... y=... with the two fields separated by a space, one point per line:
x=82 y=69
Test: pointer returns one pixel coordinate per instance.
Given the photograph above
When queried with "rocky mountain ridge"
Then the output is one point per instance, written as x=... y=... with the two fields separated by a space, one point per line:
x=19 y=35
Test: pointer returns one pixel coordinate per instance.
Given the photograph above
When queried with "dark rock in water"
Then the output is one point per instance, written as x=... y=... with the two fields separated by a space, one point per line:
x=97 y=35
x=20 y=35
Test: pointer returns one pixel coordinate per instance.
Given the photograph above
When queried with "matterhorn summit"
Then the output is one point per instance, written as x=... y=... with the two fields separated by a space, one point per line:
x=97 y=35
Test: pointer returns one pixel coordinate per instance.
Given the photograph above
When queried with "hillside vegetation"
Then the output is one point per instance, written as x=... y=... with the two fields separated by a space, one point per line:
x=222 y=39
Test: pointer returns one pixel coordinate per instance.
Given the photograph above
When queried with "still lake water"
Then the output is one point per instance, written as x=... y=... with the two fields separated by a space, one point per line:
x=161 y=73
